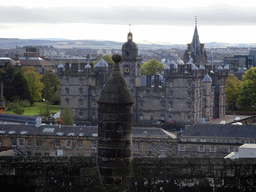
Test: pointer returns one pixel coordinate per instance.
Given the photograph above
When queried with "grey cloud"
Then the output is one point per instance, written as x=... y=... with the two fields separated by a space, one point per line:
x=211 y=15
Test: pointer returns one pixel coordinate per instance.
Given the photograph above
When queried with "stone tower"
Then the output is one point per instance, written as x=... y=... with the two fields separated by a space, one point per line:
x=131 y=63
x=114 y=131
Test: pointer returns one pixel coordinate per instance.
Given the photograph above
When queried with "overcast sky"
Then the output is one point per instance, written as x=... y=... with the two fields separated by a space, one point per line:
x=157 y=21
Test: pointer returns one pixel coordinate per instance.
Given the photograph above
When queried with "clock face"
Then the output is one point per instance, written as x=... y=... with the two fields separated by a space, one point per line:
x=126 y=70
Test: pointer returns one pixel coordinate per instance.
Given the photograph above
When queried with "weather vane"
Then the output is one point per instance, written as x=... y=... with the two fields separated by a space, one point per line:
x=129 y=27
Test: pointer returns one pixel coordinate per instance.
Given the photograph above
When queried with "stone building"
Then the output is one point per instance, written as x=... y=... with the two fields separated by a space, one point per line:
x=184 y=92
x=213 y=140
x=52 y=140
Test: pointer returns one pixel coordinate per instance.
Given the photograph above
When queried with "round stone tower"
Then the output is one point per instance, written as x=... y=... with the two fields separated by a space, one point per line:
x=115 y=131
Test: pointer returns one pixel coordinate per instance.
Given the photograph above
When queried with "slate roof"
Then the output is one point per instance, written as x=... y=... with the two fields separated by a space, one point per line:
x=74 y=131
x=50 y=130
x=33 y=61
x=153 y=132
x=223 y=131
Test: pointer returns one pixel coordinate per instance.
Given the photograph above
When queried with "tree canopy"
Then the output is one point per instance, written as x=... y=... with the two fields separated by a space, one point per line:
x=149 y=68
x=51 y=85
x=34 y=83
x=247 y=93
x=19 y=88
x=232 y=90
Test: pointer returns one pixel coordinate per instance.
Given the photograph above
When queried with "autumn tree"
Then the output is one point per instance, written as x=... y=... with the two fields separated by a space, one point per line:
x=34 y=83
x=247 y=93
x=232 y=90
x=150 y=67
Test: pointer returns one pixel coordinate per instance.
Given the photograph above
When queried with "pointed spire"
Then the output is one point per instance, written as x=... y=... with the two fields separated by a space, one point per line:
x=195 y=45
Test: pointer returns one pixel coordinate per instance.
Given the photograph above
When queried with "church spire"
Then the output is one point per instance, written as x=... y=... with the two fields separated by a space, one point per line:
x=195 y=45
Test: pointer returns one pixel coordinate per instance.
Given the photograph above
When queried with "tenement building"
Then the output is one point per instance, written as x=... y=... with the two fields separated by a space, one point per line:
x=185 y=91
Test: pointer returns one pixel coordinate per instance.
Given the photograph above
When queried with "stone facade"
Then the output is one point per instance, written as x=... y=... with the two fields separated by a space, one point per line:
x=179 y=93
x=81 y=141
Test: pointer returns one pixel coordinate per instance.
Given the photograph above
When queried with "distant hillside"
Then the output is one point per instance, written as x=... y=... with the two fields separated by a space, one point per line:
x=7 y=43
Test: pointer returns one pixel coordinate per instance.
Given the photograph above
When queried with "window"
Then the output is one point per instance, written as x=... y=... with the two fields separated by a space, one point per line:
x=13 y=142
x=81 y=91
x=212 y=149
x=160 y=147
x=56 y=143
x=231 y=149
x=67 y=91
x=21 y=142
x=136 y=146
x=28 y=142
x=68 y=144
x=79 y=144
x=93 y=144
x=150 y=146
x=201 y=148
x=38 y=143
x=181 y=147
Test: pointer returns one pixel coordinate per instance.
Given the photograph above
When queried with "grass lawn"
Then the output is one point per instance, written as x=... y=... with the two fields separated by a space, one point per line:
x=35 y=110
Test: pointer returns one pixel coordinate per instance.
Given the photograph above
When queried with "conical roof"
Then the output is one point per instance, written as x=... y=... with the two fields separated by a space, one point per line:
x=195 y=45
x=226 y=67
x=115 y=90
x=207 y=78
x=101 y=63
x=220 y=67
x=87 y=66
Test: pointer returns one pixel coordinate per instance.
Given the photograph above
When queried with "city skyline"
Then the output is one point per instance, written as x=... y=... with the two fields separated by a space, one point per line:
x=227 y=22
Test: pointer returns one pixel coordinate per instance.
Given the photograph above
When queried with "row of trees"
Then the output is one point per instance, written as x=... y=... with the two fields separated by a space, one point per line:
x=25 y=83
x=242 y=94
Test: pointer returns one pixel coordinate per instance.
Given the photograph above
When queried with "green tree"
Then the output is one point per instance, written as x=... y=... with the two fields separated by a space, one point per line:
x=247 y=94
x=51 y=85
x=34 y=83
x=232 y=90
x=67 y=116
x=45 y=110
x=6 y=75
x=149 y=68
x=19 y=87
x=17 y=107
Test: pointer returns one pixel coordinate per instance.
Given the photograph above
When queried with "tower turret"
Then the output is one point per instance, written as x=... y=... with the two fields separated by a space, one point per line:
x=114 y=131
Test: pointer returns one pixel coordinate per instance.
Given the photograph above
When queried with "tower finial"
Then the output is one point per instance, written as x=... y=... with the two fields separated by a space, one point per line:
x=196 y=20
x=129 y=27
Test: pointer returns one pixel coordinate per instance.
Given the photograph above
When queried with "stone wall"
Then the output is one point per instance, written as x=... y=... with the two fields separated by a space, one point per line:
x=149 y=174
